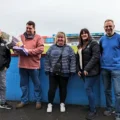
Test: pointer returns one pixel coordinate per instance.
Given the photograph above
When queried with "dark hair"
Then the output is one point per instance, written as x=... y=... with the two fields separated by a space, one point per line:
x=80 y=38
x=31 y=23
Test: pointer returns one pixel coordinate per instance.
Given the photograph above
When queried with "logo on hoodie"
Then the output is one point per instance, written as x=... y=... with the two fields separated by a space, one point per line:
x=88 y=46
x=2 y=44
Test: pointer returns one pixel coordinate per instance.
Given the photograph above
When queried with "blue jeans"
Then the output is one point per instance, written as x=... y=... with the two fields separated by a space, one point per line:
x=89 y=84
x=24 y=84
x=108 y=76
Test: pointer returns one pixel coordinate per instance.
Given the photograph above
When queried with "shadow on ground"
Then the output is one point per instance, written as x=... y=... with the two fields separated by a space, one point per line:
x=73 y=112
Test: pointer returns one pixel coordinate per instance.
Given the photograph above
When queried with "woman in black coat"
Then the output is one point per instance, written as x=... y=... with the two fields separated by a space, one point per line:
x=88 y=66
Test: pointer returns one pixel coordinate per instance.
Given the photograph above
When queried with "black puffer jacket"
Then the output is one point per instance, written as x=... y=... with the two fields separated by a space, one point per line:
x=90 y=59
x=5 y=55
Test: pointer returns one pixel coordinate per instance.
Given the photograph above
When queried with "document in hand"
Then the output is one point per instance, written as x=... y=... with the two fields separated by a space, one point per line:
x=16 y=41
x=21 y=50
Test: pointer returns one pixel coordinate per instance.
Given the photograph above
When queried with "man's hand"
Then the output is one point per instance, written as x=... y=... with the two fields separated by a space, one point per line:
x=26 y=49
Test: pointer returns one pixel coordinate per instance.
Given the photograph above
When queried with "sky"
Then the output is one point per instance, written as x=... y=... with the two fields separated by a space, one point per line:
x=52 y=16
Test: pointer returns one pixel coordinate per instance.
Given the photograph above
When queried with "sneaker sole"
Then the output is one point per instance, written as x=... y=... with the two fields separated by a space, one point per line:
x=49 y=111
x=91 y=118
x=62 y=111
x=5 y=108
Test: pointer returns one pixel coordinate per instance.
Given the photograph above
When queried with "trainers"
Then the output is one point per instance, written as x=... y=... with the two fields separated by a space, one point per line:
x=20 y=105
x=38 y=106
x=49 y=108
x=91 y=115
x=6 y=106
x=108 y=113
x=62 y=107
x=117 y=118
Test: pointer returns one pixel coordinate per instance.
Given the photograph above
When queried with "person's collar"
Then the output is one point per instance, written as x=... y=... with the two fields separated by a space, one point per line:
x=111 y=35
x=29 y=36
x=60 y=45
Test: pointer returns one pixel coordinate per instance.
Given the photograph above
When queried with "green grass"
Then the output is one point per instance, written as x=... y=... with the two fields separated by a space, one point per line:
x=47 y=47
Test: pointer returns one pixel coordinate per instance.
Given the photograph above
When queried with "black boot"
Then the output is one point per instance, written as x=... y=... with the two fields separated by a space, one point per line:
x=91 y=115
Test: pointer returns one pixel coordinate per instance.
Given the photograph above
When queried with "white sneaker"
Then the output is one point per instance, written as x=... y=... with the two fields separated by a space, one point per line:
x=49 y=108
x=62 y=107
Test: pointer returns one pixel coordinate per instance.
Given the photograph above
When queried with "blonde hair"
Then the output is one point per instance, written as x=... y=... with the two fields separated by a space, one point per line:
x=109 y=20
x=60 y=33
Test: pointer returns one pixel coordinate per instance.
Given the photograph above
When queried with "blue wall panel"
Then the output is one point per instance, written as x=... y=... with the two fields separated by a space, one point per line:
x=76 y=92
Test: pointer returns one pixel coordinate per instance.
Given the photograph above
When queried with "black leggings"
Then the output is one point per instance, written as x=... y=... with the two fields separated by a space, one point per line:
x=54 y=82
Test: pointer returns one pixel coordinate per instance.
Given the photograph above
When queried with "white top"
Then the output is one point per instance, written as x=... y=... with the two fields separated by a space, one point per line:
x=80 y=58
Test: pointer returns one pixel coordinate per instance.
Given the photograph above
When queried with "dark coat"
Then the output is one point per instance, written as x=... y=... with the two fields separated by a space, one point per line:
x=90 y=59
x=5 y=56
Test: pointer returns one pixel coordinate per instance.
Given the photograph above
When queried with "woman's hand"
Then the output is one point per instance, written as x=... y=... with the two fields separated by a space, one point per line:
x=5 y=68
x=85 y=73
x=79 y=73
